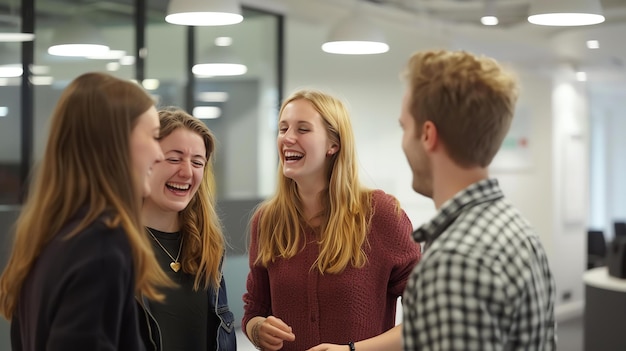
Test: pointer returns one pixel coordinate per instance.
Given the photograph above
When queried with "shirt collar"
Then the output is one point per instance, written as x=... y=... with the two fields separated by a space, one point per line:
x=479 y=192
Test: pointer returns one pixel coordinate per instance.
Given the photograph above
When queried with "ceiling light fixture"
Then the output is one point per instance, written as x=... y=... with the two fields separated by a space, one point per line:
x=151 y=84
x=355 y=35
x=42 y=80
x=127 y=60
x=112 y=66
x=204 y=12
x=109 y=55
x=489 y=17
x=220 y=61
x=565 y=12
x=9 y=61
x=593 y=44
x=39 y=70
x=77 y=38
x=212 y=96
x=10 y=32
x=207 y=112
x=11 y=71
x=489 y=20
x=223 y=41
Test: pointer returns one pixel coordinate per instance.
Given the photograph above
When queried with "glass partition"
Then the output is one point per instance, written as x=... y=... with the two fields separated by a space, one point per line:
x=57 y=21
x=241 y=110
x=10 y=126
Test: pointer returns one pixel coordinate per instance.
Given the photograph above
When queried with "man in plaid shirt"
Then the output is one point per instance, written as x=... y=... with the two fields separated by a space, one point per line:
x=484 y=282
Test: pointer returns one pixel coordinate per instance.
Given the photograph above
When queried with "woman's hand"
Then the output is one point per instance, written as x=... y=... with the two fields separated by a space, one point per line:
x=270 y=333
x=329 y=347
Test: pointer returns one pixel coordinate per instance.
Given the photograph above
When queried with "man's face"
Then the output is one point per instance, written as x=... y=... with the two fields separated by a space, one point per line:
x=414 y=149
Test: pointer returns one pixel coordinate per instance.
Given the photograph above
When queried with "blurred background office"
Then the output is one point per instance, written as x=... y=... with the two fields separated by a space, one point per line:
x=560 y=164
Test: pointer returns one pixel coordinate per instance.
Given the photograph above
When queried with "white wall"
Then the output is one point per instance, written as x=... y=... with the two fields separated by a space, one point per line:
x=608 y=165
x=571 y=184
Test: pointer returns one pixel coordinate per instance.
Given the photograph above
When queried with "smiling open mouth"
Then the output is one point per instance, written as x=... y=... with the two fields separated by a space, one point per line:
x=178 y=187
x=293 y=156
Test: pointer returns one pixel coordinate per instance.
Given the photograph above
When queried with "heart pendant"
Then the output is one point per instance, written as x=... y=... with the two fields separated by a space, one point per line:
x=175 y=266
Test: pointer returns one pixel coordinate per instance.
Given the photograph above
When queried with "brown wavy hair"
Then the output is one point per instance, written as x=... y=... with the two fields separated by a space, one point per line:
x=203 y=246
x=86 y=164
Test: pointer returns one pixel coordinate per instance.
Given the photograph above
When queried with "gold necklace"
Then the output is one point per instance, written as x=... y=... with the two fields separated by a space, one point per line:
x=174 y=265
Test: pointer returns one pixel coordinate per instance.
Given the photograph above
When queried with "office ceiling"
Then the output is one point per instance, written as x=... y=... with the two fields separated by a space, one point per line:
x=513 y=39
x=510 y=12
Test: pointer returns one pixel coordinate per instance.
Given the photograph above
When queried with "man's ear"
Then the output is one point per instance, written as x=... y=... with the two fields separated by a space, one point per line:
x=429 y=135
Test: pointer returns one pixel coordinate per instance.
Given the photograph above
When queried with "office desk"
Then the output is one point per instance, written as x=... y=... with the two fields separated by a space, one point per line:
x=605 y=311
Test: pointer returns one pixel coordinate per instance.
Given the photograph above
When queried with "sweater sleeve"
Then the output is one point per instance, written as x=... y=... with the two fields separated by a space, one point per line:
x=257 y=299
x=78 y=321
x=404 y=252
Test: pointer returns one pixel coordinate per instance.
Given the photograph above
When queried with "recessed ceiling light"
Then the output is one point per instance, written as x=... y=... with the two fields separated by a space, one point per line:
x=223 y=41
x=489 y=20
x=42 y=80
x=40 y=69
x=109 y=55
x=113 y=66
x=593 y=44
x=213 y=96
x=10 y=71
x=207 y=112
x=16 y=37
x=150 y=84
x=127 y=60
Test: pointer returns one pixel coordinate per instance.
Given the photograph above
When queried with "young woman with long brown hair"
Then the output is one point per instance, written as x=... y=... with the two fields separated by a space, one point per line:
x=186 y=234
x=80 y=255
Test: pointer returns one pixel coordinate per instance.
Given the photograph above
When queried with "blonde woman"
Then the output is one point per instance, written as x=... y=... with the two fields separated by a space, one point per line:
x=328 y=257
x=80 y=255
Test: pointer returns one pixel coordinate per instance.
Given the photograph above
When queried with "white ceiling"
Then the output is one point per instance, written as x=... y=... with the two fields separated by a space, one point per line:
x=514 y=39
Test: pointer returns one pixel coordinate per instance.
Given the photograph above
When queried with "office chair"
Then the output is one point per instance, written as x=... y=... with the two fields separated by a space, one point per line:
x=596 y=249
x=619 y=229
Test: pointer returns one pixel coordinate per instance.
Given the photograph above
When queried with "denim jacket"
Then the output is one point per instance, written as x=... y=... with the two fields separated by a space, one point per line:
x=226 y=339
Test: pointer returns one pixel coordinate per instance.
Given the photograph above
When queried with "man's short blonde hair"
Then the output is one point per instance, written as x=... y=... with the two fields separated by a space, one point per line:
x=470 y=99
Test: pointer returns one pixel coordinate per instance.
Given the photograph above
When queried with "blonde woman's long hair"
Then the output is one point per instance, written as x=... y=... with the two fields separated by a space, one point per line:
x=203 y=247
x=346 y=203
x=86 y=164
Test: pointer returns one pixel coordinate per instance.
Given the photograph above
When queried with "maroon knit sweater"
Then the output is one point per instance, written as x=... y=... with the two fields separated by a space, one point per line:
x=353 y=305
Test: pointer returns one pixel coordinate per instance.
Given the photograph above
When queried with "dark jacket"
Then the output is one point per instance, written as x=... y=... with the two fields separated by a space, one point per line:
x=148 y=327
x=80 y=294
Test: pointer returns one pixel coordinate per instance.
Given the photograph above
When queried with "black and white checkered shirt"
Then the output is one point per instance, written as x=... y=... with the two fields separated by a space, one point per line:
x=484 y=282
